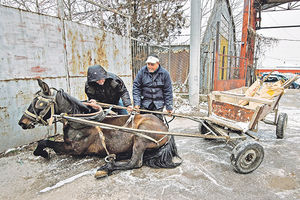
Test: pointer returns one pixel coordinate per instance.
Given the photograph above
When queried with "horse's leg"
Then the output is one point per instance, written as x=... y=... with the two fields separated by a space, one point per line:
x=39 y=150
x=87 y=144
x=58 y=147
x=136 y=160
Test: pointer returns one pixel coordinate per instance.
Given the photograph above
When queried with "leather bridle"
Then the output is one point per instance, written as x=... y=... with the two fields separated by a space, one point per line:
x=45 y=102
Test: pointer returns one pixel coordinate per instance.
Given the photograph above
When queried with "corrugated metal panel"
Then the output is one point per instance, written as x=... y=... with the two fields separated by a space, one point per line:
x=32 y=46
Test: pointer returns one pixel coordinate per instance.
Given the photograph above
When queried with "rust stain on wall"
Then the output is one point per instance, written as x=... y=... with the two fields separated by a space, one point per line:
x=84 y=56
x=75 y=54
x=38 y=69
x=21 y=57
x=101 y=57
x=87 y=61
x=116 y=50
x=22 y=25
x=4 y=115
x=82 y=38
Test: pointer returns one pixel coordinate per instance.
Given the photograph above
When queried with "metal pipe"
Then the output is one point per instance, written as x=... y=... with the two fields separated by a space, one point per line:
x=269 y=27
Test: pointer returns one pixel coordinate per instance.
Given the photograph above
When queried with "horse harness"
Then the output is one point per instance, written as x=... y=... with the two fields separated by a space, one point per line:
x=131 y=118
x=98 y=116
x=112 y=157
x=45 y=102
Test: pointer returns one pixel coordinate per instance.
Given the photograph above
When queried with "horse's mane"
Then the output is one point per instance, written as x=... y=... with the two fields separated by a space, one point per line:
x=76 y=106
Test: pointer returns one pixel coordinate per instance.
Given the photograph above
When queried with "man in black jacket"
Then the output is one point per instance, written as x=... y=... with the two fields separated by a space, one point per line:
x=152 y=87
x=107 y=87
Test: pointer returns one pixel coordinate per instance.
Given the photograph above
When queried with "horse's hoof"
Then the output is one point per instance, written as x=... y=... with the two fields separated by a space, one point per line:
x=101 y=174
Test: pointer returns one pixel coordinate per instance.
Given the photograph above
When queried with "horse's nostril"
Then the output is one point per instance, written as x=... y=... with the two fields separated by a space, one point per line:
x=22 y=125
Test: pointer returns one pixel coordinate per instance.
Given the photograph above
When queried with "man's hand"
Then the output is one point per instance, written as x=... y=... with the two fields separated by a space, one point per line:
x=137 y=108
x=129 y=109
x=93 y=101
x=93 y=104
x=170 y=112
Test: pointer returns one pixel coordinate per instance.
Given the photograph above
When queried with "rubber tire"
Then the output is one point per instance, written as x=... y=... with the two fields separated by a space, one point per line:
x=244 y=151
x=281 y=125
x=292 y=86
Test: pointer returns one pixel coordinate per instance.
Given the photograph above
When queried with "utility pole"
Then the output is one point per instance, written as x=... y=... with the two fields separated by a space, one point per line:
x=195 y=43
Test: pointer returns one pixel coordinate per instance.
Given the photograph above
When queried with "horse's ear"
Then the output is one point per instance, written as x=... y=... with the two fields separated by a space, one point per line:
x=45 y=88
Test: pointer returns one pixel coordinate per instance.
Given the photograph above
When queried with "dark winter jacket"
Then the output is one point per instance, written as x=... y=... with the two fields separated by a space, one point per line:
x=153 y=87
x=110 y=92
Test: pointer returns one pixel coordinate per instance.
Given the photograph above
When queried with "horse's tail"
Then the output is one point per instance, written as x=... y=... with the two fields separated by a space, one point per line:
x=163 y=156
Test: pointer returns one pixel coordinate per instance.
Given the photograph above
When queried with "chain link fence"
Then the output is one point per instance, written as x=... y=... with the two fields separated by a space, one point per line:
x=175 y=59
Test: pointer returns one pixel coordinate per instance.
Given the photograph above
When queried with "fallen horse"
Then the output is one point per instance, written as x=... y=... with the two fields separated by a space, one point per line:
x=153 y=150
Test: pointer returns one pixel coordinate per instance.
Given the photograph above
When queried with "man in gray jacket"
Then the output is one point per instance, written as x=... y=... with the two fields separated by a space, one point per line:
x=152 y=87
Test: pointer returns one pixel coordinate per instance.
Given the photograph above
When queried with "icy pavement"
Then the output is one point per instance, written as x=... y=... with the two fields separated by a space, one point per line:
x=205 y=174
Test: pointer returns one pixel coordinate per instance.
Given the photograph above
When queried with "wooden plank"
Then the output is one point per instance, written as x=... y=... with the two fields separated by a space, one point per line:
x=255 y=117
x=241 y=97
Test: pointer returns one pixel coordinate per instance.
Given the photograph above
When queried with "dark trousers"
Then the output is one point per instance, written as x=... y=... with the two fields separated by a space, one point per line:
x=153 y=108
x=120 y=111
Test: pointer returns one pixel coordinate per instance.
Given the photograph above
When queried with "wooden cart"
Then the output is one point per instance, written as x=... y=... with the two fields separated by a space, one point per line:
x=226 y=117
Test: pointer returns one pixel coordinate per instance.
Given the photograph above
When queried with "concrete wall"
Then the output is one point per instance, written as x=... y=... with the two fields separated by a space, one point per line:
x=59 y=52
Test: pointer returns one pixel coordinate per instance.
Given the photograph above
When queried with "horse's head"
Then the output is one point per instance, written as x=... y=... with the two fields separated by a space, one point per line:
x=41 y=108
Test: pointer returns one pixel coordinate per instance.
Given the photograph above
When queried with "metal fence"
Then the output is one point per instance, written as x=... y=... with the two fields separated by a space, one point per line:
x=228 y=67
x=175 y=59
x=217 y=72
x=227 y=72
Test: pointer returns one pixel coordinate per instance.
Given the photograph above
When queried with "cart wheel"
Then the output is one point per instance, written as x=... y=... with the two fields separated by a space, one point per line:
x=281 y=125
x=247 y=156
x=202 y=129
